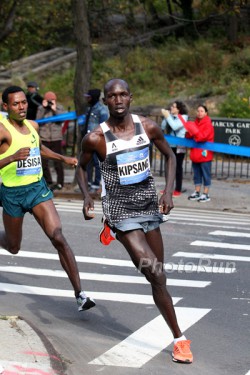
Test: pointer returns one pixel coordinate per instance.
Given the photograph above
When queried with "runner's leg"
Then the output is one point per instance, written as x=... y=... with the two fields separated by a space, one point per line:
x=46 y=215
x=11 y=237
x=146 y=252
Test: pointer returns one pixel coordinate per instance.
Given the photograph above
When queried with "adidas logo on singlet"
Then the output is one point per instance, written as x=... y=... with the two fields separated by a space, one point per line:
x=114 y=148
x=140 y=141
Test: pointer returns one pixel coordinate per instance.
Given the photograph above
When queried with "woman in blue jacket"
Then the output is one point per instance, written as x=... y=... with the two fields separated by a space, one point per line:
x=173 y=124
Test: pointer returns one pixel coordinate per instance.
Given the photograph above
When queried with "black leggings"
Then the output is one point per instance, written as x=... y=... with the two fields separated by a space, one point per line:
x=179 y=169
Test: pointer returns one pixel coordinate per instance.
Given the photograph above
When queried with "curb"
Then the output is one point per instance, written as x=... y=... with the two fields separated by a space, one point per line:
x=25 y=349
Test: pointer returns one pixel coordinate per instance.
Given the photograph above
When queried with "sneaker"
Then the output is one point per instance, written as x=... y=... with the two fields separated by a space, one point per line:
x=195 y=196
x=204 y=198
x=182 y=353
x=84 y=302
x=105 y=234
x=95 y=187
x=176 y=193
x=56 y=187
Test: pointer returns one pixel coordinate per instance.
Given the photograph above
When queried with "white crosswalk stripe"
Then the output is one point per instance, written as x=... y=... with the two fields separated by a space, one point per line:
x=236 y=258
x=100 y=277
x=206 y=262
x=135 y=352
x=182 y=216
x=230 y=234
x=221 y=245
x=106 y=270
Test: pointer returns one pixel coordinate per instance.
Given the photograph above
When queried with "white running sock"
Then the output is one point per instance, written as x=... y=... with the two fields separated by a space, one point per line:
x=82 y=294
x=180 y=339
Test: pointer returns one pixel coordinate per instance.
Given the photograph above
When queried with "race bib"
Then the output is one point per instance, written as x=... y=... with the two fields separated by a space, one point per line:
x=133 y=167
x=32 y=165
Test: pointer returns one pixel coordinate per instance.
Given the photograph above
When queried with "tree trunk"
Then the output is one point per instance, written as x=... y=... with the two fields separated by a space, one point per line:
x=84 y=57
x=84 y=54
x=232 y=32
x=187 y=11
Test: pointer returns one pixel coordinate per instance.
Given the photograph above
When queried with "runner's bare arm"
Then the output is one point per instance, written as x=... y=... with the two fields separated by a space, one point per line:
x=49 y=154
x=156 y=135
x=88 y=147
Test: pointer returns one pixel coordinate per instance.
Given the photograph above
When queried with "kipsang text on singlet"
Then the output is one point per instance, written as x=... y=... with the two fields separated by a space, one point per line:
x=133 y=168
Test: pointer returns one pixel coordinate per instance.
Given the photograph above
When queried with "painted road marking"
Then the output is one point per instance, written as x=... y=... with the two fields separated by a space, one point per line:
x=81 y=259
x=20 y=368
x=230 y=234
x=115 y=297
x=178 y=215
x=205 y=225
x=101 y=277
x=148 y=341
x=235 y=258
x=169 y=267
x=222 y=245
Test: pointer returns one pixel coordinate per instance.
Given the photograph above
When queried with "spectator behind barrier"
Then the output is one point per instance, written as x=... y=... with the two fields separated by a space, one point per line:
x=51 y=137
x=34 y=100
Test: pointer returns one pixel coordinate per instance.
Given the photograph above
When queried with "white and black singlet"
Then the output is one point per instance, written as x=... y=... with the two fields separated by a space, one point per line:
x=128 y=189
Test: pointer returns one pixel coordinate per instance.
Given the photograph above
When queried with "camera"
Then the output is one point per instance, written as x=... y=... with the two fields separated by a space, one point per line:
x=49 y=105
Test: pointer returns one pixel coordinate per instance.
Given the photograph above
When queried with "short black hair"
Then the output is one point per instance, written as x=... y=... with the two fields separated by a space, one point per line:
x=111 y=81
x=203 y=106
x=10 y=90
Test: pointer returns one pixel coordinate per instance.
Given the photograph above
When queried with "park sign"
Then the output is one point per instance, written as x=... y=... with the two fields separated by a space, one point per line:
x=232 y=131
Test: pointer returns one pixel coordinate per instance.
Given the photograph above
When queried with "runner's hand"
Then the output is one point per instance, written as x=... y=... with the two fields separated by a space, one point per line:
x=21 y=154
x=88 y=206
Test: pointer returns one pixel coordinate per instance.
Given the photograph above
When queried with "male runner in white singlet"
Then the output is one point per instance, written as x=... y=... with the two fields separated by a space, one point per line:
x=129 y=198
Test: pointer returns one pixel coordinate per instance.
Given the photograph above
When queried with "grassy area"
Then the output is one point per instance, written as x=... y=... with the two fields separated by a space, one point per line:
x=177 y=69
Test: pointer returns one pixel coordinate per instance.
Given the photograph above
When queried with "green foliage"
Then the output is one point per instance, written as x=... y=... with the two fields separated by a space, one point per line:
x=38 y=25
x=241 y=63
x=159 y=72
x=175 y=70
x=237 y=105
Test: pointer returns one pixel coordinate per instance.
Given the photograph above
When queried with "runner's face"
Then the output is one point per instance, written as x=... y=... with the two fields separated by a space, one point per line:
x=17 y=106
x=118 y=99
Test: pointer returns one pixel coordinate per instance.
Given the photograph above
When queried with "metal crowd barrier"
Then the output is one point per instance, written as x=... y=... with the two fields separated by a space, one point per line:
x=223 y=165
x=228 y=162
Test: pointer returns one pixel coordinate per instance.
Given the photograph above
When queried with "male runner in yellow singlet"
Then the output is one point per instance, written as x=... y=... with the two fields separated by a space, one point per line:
x=24 y=189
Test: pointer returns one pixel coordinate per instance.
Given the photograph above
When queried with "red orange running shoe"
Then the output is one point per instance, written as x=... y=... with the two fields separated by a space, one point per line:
x=176 y=193
x=182 y=353
x=105 y=235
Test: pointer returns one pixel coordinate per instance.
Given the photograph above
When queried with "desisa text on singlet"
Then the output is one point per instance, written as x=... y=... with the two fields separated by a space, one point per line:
x=32 y=165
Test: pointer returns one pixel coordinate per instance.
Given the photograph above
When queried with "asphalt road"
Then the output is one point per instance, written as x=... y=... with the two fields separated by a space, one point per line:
x=207 y=261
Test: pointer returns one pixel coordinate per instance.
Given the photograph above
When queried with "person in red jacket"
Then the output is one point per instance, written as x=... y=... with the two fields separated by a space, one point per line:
x=201 y=130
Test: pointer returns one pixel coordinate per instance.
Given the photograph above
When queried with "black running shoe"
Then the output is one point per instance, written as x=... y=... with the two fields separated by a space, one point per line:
x=84 y=302
x=194 y=197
